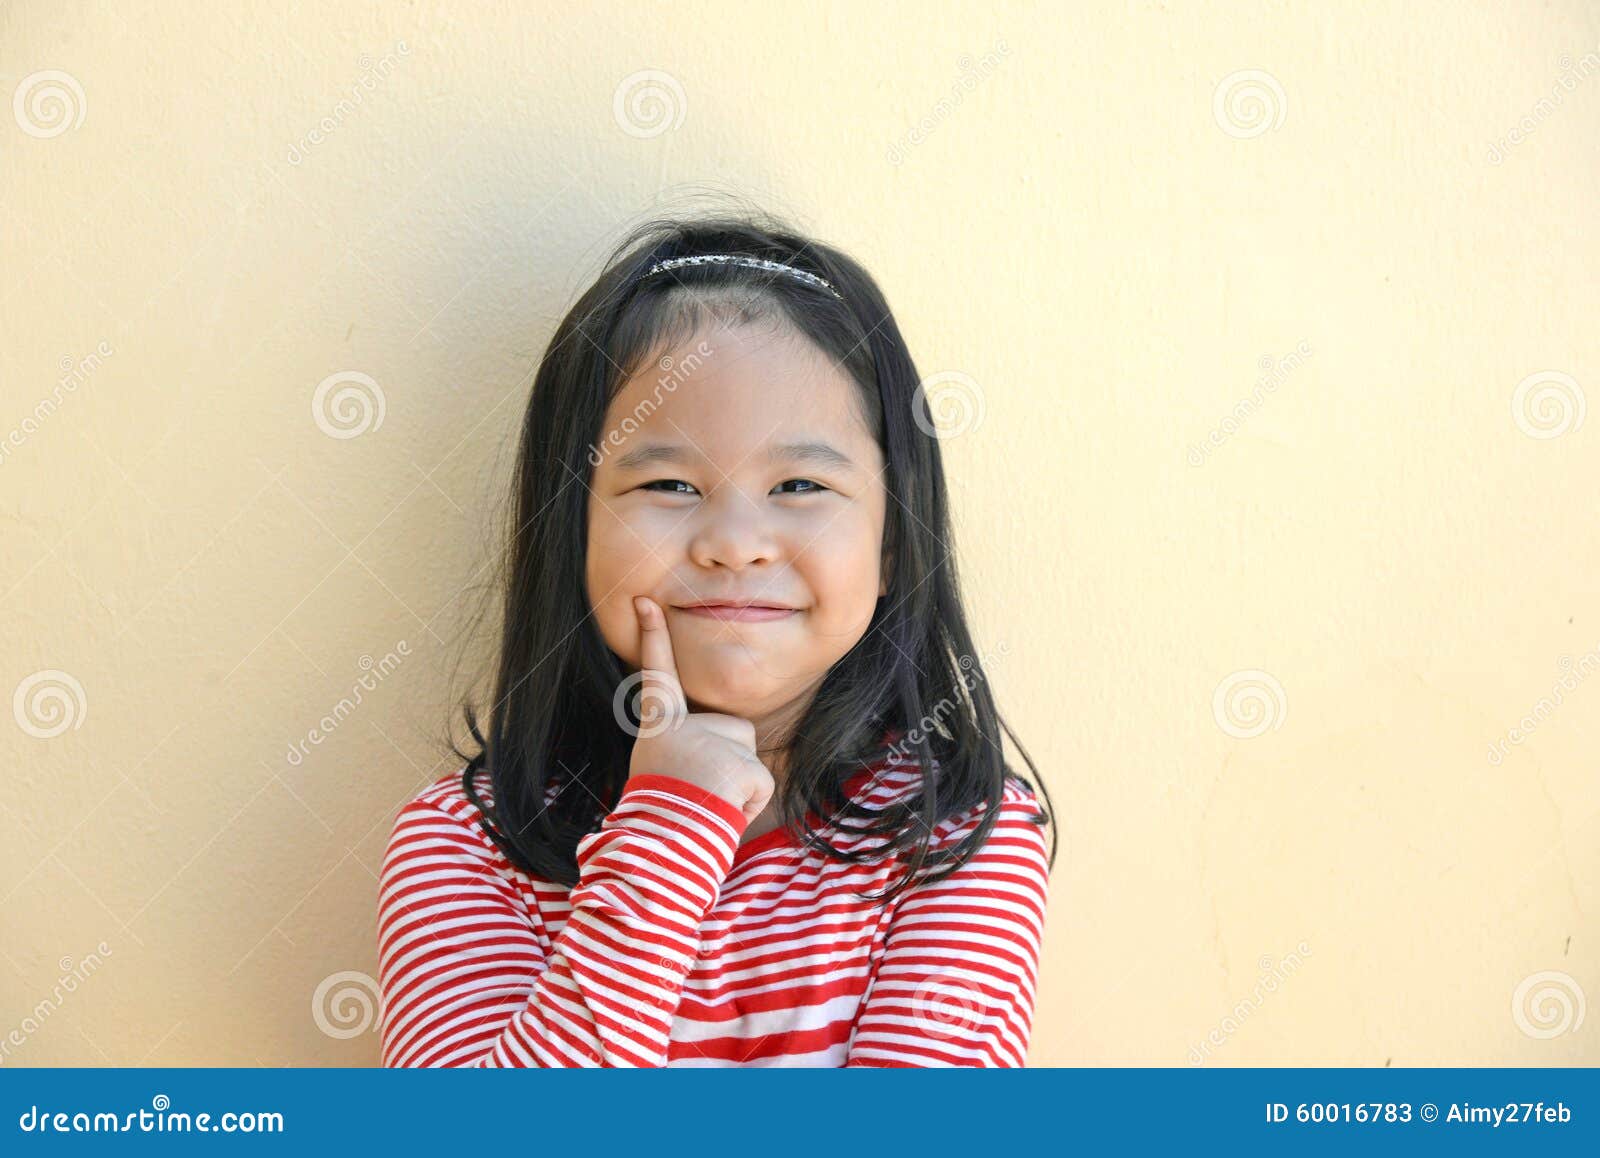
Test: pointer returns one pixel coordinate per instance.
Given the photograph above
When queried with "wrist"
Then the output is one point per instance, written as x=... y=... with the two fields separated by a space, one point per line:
x=724 y=808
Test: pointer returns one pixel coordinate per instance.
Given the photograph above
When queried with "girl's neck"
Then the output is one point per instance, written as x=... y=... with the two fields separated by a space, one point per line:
x=772 y=749
x=775 y=731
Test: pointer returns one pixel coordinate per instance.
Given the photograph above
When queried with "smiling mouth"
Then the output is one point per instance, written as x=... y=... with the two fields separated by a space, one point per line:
x=739 y=612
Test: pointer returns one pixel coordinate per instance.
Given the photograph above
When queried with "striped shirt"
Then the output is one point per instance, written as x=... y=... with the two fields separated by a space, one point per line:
x=682 y=946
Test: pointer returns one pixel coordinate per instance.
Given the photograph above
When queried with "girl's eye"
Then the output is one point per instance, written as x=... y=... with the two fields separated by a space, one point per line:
x=666 y=482
x=817 y=487
x=668 y=485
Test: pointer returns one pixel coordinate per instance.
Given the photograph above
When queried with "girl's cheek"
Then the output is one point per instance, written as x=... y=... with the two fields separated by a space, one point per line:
x=634 y=532
x=848 y=605
x=601 y=572
x=612 y=547
x=844 y=560
x=621 y=563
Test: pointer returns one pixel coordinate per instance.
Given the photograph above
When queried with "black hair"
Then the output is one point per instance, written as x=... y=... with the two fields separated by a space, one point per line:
x=915 y=674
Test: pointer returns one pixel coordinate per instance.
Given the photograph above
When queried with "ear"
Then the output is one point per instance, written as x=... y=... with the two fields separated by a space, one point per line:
x=885 y=573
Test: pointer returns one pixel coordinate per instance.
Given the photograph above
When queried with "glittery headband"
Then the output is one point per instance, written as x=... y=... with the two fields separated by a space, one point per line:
x=740 y=259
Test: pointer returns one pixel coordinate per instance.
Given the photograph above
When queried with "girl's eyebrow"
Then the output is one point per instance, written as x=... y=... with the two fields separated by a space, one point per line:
x=652 y=452
x=817 y=452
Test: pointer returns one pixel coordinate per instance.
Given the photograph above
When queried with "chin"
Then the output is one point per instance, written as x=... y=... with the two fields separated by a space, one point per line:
x=736 y=691
x=730 y=701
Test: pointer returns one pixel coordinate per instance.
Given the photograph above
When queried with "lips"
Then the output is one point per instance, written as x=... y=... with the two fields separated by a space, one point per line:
x=738 y=611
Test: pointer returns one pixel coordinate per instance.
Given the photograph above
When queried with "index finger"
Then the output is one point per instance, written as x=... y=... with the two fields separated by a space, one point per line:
x=659 y=689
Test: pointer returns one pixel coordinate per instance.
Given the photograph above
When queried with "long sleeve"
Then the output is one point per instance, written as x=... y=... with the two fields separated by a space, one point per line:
x=463 y=976
x=960 y=966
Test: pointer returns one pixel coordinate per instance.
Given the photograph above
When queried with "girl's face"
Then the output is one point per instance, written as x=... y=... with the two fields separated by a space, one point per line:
x=741 y=471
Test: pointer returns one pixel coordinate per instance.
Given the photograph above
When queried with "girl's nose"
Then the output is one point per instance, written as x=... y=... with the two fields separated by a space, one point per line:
x=735 y=536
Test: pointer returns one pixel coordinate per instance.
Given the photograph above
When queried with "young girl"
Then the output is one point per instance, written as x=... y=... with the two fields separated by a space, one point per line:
x=740 y=798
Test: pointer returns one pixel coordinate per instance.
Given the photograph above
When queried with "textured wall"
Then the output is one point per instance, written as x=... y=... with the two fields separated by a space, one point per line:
x=1270 y=333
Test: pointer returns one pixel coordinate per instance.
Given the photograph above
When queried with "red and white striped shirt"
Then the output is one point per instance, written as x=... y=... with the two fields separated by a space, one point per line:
x=680 y=946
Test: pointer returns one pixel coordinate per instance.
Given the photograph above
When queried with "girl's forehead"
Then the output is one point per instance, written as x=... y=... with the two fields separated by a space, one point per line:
x=742 y=390
x=745 y=357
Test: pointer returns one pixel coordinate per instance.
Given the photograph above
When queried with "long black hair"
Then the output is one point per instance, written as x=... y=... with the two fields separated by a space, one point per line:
x=915 y=674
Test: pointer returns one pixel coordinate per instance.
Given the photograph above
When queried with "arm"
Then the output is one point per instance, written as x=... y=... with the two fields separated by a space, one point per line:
x=956 y=983
x=464 y=979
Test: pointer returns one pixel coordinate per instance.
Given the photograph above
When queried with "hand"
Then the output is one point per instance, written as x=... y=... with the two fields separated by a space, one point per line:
x=710 y=750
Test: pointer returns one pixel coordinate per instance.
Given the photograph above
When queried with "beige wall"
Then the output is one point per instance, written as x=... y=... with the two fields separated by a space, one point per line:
x=1381 y=566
